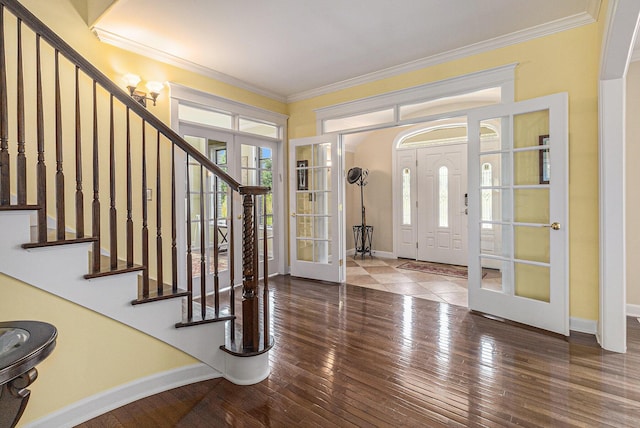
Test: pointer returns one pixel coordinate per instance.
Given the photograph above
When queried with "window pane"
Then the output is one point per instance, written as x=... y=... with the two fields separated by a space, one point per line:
x=487 y=196
x=443 y=179
x=207 y=117
x=480 y=98
x=258 y=128
x=359 y=121
x=406 y=196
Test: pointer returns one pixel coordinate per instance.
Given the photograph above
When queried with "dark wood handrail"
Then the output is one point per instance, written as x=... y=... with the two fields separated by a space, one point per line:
x=59 y=44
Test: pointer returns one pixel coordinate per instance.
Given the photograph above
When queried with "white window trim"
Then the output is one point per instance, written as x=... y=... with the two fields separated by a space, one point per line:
x=503 y=76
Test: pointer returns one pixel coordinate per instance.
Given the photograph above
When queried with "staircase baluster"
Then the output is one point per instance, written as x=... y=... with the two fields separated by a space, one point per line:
x=79 y=194
x=203 y=249
x=21 y=160
x=129 y=224
x=216 y=243
x=145 y=228
x=265 y=276
x=113 y=212
x=189 y=254
x=159 y=263
x=174 y=248
x=60 y=218
x=41 y=169
x=231 y=260
x=95 y=216
x=5 y=187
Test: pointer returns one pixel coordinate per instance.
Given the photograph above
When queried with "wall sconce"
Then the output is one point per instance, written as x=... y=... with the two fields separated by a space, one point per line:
x=154 y=88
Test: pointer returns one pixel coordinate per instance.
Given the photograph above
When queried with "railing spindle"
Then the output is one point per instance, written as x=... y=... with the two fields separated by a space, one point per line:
x=21 y=160
x=113 y=212
x=5 y=185
x=189 y=254
x=60 y=217
x=79 y=194
x=145 y=226
x=174 y=232
x=129 y=224
x=41 y=169
x=95 y=214
x=203 y=249
x=231 y=260
x=265 y=277
x=160 y=279
x=216 y=243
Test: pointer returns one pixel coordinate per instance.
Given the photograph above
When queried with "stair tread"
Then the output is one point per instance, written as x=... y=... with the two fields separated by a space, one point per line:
x=52 y=239
x=106 y=269
x=165 y=293
x=19 y=207
x=224 y=314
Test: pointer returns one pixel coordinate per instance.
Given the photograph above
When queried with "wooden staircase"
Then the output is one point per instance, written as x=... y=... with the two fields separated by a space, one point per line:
x=121 y=255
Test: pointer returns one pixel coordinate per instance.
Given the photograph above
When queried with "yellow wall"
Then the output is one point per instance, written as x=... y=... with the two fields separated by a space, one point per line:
x=563 y=62
x=93 y=353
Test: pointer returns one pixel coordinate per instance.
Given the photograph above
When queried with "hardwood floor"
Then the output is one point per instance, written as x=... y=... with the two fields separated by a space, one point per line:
x=353 y=356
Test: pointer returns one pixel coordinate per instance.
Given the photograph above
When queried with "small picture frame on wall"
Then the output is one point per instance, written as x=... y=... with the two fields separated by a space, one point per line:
x=545 y=166
x=303 y=174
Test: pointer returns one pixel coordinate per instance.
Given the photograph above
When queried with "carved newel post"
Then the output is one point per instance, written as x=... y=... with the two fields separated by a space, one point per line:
x=250 y=327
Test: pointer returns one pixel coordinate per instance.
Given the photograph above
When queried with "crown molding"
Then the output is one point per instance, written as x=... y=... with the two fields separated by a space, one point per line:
x=474 y=49
x=155 y=54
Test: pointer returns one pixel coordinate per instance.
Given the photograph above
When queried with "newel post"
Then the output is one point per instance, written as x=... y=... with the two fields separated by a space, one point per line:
x=250 y=270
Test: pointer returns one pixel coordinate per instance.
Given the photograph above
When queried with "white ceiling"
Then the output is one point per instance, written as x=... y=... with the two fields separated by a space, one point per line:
x=292 y=49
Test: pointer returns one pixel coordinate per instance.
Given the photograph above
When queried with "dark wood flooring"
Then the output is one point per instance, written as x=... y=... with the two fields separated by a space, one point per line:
x=350 y=356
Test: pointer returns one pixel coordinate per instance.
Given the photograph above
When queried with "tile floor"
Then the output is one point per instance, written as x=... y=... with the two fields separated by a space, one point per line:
x=383 y=274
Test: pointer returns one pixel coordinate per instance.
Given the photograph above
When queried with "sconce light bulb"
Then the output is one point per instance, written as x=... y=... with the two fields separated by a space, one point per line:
x=131 y=80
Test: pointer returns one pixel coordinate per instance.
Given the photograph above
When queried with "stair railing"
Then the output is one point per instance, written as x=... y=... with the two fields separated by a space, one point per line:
x=64 y=107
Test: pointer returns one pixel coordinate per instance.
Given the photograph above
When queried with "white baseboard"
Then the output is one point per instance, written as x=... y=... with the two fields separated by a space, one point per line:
x=633 y=310
x=106 y=401
x=583 y=326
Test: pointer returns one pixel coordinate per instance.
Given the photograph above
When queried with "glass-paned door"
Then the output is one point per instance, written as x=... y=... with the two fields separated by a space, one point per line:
x=208 y=208
x=524 y=204
x=257 y=166
x=316 y=199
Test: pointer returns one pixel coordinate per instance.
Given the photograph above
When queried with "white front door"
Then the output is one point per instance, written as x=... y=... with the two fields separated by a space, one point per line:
x=525 y=206
x=316 y=222
x=442 y=219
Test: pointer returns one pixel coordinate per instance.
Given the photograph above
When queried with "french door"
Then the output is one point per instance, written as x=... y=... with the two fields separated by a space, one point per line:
x=527 y=211
x=253 y=162
x=316 y=200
